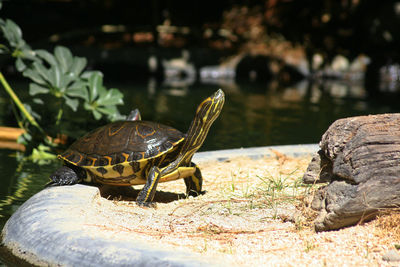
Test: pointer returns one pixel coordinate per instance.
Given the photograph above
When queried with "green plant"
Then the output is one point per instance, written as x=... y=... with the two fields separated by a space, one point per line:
x=61 y=93
x=273 y=187
x=310 y=245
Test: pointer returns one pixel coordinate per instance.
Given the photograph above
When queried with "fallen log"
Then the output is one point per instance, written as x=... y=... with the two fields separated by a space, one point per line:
x=359 y=157
x=8 y=138
x=10 y=135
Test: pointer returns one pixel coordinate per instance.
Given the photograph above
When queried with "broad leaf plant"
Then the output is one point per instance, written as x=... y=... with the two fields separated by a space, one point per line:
x=63 y=99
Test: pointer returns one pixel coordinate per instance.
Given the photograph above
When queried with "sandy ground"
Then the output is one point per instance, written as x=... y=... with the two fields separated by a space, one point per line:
x=254 y=213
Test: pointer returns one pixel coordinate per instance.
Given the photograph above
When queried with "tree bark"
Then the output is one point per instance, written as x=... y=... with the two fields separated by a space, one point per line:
x=359 y=157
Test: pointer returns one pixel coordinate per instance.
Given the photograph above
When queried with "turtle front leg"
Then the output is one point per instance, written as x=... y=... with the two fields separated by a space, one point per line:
x=191 y=174
x=64 y=176
x=194 y=182
x=146 y=195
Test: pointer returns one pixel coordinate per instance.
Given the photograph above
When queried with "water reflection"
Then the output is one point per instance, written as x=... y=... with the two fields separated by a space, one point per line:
x=20 y=180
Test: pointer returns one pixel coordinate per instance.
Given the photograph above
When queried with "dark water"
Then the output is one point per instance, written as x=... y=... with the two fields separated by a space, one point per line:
x=257 y=115
x=253 y=115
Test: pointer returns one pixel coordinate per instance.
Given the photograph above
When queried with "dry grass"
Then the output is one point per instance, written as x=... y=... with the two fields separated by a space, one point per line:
x=387 y=226
x=255 y=212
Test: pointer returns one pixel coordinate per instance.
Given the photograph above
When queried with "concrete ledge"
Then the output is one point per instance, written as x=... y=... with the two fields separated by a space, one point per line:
x=50 y=229
x=256 y=152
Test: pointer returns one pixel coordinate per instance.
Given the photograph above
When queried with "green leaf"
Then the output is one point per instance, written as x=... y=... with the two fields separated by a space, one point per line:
x=117 y=116
x=78 y=89
x=108 y=110
x=87 y=106
x=24 y=138
x=78 y=65
x=113 y=113
x=42 y=71
x=13 y=33
x=28 y=53
x=97 y=115
x=101 y=90
x=112 y=97
x=32 y=112
x=64 y=58
x=34 y=76
x=4 y=49
x=20 y=65
x=95 y=85
x=65 y=80
x=42 y=155
x=55 y=76
x=38 y=101
x=35 y=89
x=72 y=103
x=49 y=58
x=87 y=74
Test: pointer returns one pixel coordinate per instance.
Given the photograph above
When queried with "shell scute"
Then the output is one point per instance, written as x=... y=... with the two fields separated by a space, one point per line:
x=122 y=142
x=119 y=168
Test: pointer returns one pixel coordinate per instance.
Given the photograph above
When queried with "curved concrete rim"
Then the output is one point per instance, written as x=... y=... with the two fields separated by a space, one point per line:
x=256 y=152
x=49 y=229
x=42 y=233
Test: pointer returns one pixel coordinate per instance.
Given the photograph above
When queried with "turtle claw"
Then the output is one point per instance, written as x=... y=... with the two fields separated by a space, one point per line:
x=193 y=193
x=147 y=204
x=50 y=184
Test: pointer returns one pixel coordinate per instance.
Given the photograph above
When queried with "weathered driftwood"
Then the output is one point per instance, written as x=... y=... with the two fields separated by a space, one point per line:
x=359 y=157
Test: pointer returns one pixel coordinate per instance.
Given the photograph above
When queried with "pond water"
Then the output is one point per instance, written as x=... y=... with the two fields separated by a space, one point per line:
x=253 y=115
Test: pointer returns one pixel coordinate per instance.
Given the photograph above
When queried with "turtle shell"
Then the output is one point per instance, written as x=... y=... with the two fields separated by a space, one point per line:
x=109 y=149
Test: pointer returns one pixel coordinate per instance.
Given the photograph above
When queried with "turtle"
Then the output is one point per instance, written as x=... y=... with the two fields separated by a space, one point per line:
x=134 y=152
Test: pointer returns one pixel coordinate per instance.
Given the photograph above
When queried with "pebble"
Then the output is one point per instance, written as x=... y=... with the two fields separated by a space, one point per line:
x=391 y=255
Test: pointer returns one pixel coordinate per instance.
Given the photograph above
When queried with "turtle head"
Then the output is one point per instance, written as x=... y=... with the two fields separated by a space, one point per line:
x=206 y=114
x=210 y=108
